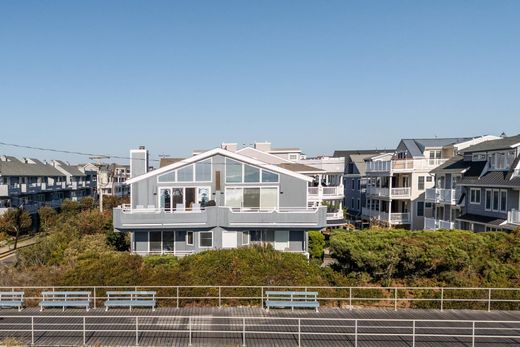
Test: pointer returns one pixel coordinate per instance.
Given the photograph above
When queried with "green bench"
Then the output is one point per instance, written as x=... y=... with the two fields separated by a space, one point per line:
x=292 y=300
x=11 y=300
x=65 y=299
x=130 y=299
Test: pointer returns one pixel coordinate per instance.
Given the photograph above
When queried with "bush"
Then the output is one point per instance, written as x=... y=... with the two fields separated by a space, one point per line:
x=316 y=244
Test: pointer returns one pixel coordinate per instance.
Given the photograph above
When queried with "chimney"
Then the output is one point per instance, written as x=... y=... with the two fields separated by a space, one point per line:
x=263 y=146
x=232 y=147
x=138 y=161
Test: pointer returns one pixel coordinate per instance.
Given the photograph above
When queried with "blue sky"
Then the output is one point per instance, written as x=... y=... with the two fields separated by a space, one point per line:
x=106 y=76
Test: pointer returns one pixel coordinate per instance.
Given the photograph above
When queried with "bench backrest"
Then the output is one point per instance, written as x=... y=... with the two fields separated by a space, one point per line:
x=131 y=295
x=11 y=296
x=65 y=296
x=292 y=296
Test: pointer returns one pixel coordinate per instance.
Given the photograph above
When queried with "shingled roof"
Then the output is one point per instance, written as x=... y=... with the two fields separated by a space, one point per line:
x=12 y=166
x=493 y=145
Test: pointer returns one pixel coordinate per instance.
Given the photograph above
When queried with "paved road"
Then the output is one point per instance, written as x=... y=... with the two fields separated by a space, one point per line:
x=330 y=327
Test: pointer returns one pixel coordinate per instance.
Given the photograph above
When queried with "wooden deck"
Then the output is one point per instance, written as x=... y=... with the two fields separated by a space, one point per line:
x=169 y=327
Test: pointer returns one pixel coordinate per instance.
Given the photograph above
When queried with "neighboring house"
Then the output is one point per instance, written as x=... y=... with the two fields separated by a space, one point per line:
x=355 y=179
x=31 y=184
x=490 y=185
x=397 y=185
x=216 y=199
x=110 y=178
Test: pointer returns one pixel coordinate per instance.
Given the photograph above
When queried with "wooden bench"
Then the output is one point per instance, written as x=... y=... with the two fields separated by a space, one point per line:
x=292 y=300
x=65 y=299
x=11 y=300
x=130 y=299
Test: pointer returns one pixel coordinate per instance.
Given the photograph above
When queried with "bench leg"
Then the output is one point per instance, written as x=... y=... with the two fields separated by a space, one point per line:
x=106 y=308
x=41 y=308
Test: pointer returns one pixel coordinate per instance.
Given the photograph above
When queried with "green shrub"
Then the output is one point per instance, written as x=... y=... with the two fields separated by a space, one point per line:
x=316 y=244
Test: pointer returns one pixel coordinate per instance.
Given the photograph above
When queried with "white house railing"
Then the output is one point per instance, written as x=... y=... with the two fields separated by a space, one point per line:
x=320 y=193
x=513 y=217
x=404 y=165
x=396 y=192
x=393 y=218
x=436 y=224
x=439 y=195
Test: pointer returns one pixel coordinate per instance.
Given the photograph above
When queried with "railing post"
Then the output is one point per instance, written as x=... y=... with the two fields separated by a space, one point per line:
x=395 y=299
x=350 y=298
x=189 y=327
x=262 y=299
x=243 y=331
x=355 y=332
x=413 y=333
x=299 y=332
x=84 y=332
x=32 y=331
x=489 y=299
x=442 y=299
x=219 y=297
x=94 y=297
x=137 y=331
x=177 y=297
x=473 y=334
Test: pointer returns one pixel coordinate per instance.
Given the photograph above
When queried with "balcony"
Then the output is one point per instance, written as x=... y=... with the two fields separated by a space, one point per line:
x=394 y=218
x=513 y=217
x=127 y=218
x=442 y=196
x=9 y=189
x=394 y=193
x=388 y=167
x=437 y=224
x=325 y=193
x=331 y=216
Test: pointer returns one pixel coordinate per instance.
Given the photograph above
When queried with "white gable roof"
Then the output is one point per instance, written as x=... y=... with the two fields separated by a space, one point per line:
x=257 y=154
x=222 y=152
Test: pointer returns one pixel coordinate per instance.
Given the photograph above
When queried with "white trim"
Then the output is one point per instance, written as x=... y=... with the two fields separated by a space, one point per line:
x=223 y=152
x=274 y=224
x=212 y=239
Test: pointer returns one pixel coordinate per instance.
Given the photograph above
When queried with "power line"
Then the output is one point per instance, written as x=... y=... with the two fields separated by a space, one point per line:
x=69 y=152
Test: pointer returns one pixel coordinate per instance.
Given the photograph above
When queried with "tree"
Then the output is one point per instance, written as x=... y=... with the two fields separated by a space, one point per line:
x=15 y=221
x=48 y=217
x=86 y=203
x=69 y=207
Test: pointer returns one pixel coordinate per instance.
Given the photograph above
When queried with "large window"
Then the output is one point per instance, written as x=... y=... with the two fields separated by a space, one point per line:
x=198 y=172
x=205 y=239
x=269 y=177
x=420 y=208
x=251 y=174
x=185 y=174
x=233 y=171
x=203 y=171
x=237 y=172
x=258 y=197
x=155 y=241
x=474 y=196
x=503 y=201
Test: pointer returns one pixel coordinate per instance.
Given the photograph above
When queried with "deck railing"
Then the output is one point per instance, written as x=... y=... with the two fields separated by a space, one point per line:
x=403 y=165
x=344 y=297
x=513 y=217
x=139 y=330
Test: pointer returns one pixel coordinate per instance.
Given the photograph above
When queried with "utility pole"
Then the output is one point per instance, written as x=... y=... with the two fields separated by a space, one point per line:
x=99 y=186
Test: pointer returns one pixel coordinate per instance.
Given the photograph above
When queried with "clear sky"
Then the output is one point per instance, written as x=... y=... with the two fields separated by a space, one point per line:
x=107 y=76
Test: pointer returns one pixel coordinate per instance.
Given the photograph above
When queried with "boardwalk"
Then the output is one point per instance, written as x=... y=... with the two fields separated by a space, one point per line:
x=225 y=327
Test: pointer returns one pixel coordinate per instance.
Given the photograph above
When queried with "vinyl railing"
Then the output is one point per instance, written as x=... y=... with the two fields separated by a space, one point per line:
x=398 y=165
x=435 y=224
x=139 y=330
x=127 y=209
x=513 y=217
x=326 y=192
x=344 y=297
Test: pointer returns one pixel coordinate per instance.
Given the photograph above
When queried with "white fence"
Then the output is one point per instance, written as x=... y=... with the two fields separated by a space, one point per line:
x=140 y=330
x=346 y=297
x=436 y=224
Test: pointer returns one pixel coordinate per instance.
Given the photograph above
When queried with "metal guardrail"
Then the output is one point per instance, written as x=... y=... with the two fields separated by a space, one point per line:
x=298 y=329
x=386 y=297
